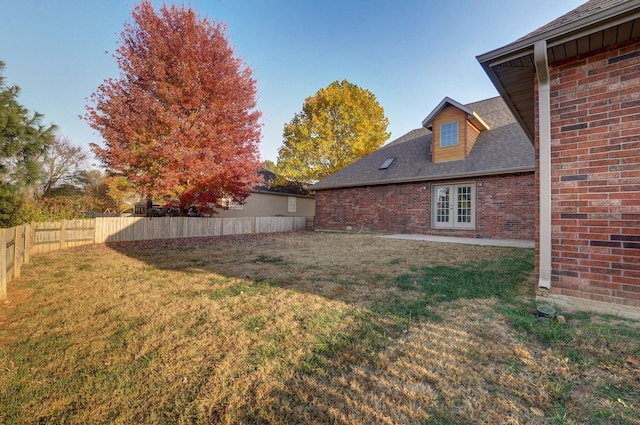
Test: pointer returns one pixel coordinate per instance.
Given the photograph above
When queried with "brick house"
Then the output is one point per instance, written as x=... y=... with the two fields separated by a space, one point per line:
x=574 y=86
x=469 y=171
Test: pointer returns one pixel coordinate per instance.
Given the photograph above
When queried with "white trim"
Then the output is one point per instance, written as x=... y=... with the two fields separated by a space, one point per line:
x=453 y=207
x=291 y=204
x=434 y=207
x=544 y=140
x=426 y=123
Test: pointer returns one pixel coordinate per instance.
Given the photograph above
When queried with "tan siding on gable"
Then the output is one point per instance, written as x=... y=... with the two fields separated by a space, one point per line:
x=452 y=153
x=472 y=135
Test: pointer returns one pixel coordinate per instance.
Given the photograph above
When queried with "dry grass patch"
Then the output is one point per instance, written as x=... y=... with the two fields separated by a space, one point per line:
x=303 y=328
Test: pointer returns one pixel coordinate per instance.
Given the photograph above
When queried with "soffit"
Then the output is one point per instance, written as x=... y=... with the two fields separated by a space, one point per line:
x=512 y=68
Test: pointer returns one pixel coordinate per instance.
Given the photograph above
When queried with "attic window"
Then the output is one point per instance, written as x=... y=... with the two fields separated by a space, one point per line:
x=449 y=134
x=386 y=164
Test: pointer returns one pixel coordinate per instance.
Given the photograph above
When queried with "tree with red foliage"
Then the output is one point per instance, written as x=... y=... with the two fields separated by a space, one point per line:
x=180 y=121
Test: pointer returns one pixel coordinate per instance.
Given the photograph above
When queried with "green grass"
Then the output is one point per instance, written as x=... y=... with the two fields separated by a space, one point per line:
x=490 y=278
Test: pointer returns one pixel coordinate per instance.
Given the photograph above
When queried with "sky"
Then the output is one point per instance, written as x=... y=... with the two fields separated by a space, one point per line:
x=409 y=53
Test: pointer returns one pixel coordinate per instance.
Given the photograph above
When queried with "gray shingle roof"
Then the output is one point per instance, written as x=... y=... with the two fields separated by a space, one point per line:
x=581 y=12
x=501 y=149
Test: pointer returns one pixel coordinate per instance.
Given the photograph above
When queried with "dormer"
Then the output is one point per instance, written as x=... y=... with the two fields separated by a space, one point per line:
x=454 y=128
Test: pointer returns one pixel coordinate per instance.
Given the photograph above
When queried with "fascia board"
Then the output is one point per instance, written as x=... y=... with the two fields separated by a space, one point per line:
x=427 y=179
x=446 y=101
x=557 y=35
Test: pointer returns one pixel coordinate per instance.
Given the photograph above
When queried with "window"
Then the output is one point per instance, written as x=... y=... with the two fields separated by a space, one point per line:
x=442 y=204
x=291 y=207
x=386 y=164
x=449 y=134
x=454 y=206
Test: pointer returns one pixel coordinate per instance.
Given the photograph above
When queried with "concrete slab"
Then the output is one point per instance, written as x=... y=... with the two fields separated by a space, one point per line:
x=513 y=243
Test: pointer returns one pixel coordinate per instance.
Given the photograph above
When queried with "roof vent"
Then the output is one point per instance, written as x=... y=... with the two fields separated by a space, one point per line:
x=386 y=164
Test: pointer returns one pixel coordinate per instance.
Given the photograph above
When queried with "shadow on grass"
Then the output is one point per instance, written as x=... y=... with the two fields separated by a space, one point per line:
x=341 y=379
x=302 y=328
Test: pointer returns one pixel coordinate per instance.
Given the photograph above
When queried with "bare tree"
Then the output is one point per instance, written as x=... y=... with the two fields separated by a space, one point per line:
x=60 y=164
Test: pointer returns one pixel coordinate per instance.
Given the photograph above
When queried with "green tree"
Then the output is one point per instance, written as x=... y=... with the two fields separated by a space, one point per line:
x=23 y=142
x=269 y=165
x=123 y=193
x=337 y=126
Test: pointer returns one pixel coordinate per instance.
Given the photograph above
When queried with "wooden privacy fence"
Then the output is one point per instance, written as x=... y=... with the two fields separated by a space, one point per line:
x=18 y=243
x=14 y=252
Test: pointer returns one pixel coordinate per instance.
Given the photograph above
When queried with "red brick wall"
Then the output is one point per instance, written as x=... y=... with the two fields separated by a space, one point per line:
x=595 y=177
x=505 y=208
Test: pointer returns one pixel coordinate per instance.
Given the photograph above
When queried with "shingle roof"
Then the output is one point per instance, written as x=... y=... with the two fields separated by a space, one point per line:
x=503 y=148
x=595 y=25
x=581 y=12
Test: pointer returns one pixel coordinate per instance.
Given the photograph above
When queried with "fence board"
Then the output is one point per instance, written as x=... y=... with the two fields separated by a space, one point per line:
x=61 y=235
x=11 y=252
x=3 y=270
x=18 y=251
x=237 y=225
x=18 y=243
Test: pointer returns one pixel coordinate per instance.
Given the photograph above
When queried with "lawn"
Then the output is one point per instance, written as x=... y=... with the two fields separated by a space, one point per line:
x=304 y=328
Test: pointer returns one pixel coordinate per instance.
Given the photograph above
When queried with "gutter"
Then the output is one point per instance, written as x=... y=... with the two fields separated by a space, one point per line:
x=560 y=34
x=429 y=178
x=544 y=140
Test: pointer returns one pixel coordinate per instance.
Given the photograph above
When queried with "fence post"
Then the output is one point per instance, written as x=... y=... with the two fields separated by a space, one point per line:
x=18 y=251
x=28 y=237
x=63 y=231
x=3 y=264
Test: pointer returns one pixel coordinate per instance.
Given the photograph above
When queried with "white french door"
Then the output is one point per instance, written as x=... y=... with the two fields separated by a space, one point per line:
x=454 y=206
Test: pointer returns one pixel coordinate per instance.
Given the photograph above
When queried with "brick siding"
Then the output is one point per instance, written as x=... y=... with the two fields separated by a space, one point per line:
x=595 y=176
x=505 y=208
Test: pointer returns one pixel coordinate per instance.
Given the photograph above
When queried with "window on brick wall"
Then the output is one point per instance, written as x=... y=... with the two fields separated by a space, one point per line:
x=454 y=206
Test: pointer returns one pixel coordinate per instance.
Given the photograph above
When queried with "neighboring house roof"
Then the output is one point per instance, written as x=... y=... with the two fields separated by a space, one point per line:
x=266 y=185
x=592 y=26
x=504 y=148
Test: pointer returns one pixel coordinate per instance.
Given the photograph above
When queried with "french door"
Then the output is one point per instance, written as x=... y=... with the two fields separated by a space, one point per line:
x=454 y=206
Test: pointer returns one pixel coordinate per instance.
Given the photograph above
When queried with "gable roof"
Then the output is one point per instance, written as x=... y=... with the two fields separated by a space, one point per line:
x=502 y=149
x=447 y=101
x=592 y=26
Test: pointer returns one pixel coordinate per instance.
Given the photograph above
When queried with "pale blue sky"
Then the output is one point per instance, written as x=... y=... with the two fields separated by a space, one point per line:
x=409 y=53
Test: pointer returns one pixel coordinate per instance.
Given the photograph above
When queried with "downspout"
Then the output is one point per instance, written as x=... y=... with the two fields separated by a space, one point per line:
x=544 y=148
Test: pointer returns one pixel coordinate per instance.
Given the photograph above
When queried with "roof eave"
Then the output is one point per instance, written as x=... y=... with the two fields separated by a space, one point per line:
x=502 y=91
x=269 y=192
x=477 y=121
x=556 y=35
x=426 y=123
x=431 y=178
x=519 y=49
